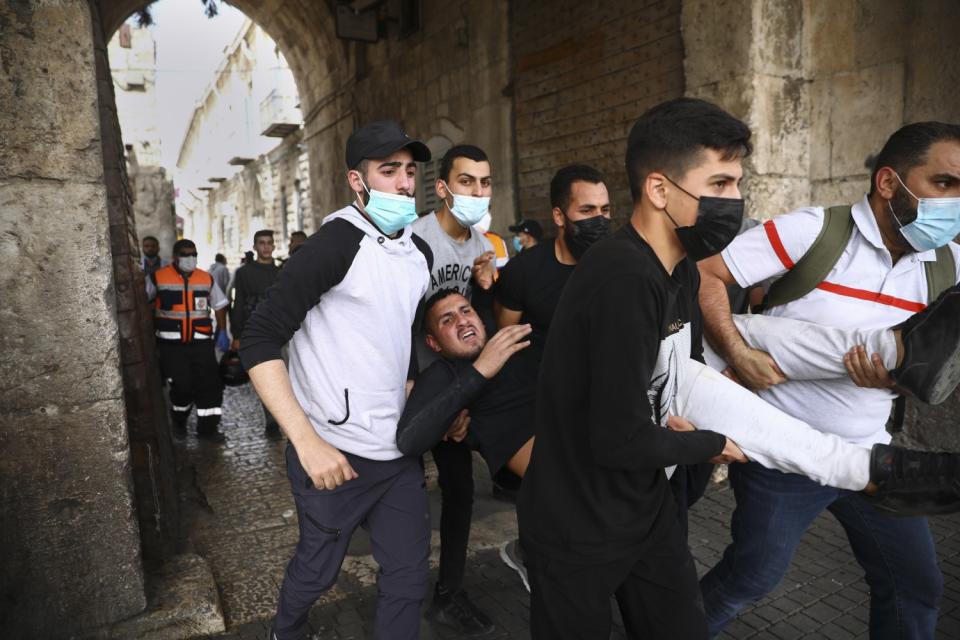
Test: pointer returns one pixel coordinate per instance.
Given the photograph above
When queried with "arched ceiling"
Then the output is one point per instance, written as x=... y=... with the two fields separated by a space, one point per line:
x=303 y=29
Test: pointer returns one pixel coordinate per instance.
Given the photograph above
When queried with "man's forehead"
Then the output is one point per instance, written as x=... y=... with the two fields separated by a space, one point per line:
x=596 y=192
x=943 y=156
x=473 y=168
x=402 y=156
x=450 y=304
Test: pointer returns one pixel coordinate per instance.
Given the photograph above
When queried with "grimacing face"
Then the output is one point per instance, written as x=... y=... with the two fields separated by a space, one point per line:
x=454 y=330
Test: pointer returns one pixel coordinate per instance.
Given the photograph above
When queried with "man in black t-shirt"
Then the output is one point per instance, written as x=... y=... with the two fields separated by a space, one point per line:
x=529 y=286
x=596 y=514
x=250 y=285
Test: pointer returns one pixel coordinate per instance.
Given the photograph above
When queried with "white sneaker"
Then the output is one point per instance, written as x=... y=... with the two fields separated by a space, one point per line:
x=512 y=556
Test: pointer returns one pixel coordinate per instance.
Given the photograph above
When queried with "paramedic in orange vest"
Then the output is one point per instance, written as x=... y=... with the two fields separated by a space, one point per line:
x=183 y=296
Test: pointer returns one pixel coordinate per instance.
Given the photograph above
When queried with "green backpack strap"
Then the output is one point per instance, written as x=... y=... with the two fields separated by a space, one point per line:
x=941 y=274
x=816 y=263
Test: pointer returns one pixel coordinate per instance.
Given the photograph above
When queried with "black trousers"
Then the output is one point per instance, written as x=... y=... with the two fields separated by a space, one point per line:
x=194 y=379
x=454 y=462
x=655 y=587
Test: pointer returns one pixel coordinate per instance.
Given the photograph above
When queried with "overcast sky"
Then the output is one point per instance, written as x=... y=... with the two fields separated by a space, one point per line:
x=189 y=49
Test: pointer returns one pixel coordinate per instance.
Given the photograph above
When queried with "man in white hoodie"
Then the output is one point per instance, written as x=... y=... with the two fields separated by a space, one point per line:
x=346 y=302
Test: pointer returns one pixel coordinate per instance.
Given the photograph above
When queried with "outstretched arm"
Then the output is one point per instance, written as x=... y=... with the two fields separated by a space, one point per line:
x=756 y=369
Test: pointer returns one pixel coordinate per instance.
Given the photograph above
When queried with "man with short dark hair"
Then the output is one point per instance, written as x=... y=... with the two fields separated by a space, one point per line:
x=528 y=234
x=219 y=271
x=183 y=296
x=250 y=284
x=530 y=285
x=349 y=331
x=150 y=261
x=898 y=233
x=297 y=238
x=463 y=260
x=597 y=516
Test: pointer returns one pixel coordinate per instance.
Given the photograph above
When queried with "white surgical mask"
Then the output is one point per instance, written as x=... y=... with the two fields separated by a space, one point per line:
x=390 y=212
x=937 y=222
x=468 y=210
x=484 y=224
x=187 y=263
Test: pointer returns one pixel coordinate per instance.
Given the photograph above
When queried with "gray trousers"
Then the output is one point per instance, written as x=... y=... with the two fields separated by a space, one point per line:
x=389 y=500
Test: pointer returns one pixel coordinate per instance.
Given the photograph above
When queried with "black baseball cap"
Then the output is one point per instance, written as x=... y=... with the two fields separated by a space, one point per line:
x=528 y=226
x=380 y=139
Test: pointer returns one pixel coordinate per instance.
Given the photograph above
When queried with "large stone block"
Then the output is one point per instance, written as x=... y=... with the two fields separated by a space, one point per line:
x=829 y=42
x=866 y=107
x=35 y=83
x=781 y=125
x=714 y=31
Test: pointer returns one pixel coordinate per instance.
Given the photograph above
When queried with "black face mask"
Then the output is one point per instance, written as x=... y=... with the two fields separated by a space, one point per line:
x=580 y=235
x=718 y=223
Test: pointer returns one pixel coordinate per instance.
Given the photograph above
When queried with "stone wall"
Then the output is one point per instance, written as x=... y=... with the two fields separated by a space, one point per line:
x=71 y=550
x=146 y=196
x=579 y=85
x=447 y=84
x=153 y=207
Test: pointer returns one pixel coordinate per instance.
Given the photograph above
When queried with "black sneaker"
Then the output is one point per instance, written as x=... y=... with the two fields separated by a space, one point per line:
x=512 y=555
x=457 y=612
x=178 y=424
x=914 y=483
x=930 y=370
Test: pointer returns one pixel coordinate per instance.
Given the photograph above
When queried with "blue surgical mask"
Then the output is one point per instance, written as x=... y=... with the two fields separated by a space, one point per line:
x=390 y=212
x=468 y=210
x=937 y=222
x=516 y=244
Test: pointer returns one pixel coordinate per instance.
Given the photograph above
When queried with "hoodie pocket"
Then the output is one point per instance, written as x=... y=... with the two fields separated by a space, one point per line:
x=346 y=414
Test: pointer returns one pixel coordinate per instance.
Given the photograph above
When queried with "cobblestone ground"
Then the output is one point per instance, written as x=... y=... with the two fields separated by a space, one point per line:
x=242 y=522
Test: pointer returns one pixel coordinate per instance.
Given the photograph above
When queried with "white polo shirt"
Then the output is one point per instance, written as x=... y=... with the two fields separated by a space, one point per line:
x=864 y=290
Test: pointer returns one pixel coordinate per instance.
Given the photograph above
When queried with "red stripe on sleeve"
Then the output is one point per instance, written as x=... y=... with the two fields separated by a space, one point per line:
x=777 y=245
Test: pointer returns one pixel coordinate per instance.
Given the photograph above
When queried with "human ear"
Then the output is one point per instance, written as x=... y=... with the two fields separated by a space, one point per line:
x=655 y=190
x=886 y=182
x=558 y=218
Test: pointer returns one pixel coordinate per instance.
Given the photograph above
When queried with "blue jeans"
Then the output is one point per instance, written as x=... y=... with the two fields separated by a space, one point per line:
x=773 y=511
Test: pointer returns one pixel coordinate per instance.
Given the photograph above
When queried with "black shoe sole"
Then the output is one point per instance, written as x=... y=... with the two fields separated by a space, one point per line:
x=930 y=370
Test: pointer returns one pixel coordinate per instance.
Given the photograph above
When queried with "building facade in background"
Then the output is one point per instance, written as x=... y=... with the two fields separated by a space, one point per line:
x=242 y=165
x=133 y=67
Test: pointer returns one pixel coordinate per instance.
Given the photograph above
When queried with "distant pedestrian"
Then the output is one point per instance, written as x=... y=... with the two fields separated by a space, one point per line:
x=250 y=284
x=183 y=297
x=219 y=272
x=150 y=261
x=528 y=234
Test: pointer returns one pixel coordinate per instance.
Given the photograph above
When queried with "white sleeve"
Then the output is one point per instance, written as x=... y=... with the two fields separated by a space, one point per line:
x=151 y=289
x=771 y=249
x=218 y=300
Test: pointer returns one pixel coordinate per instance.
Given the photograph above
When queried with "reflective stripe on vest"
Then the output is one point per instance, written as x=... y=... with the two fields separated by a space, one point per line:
x=182 y=305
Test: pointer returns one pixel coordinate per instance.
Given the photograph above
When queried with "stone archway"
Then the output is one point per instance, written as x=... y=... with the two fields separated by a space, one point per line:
x=322 y=68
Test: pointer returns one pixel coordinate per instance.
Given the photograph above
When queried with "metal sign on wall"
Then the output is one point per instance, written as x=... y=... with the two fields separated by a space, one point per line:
x=356 y=25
